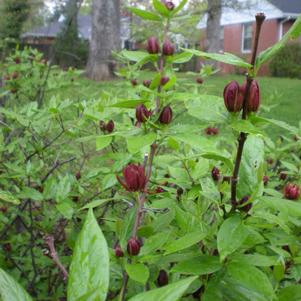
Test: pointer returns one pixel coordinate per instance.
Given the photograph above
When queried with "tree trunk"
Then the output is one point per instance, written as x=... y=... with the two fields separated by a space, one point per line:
x=105 y=38
x=213 y=25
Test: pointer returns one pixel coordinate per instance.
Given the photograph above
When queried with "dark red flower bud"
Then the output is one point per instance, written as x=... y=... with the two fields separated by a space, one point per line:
x=133 y=246
x=13 y=90
x=166 y=115
x=153 y=46
x=17 y=60
x=242 y=202
x=254 y=97
x=134 y=82
x=292 y=191
x=199 y=80
x=215 y=173
x=7 y=247
x=110 y=126
x=283 y=176
x=147 y=83
x=168 y=48
x=15 y=75
x=266 y=180
x=3 y=209
x=164 y=80
x=180 y=191
x=134 y=178
x=142 y=114
x=211 y=131
x=162 y=279
x=78 y=176
x=159 y=190
x=102 y=125
x=232 y=97
x=118 y=251
x=270 y=161
x=169 y=4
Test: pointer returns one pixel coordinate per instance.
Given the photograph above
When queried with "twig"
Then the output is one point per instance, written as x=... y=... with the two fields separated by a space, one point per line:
x=243 y=136
x=49 y=240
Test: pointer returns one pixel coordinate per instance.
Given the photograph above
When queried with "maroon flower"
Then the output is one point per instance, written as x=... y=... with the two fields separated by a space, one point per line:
x=78 y=176
x=118 y=251
x=142 y=114
x=242 y=202
x=110 y=126
x=168 y=48
x=153 y=46
x=133 y=246
x=15 y=75
x=232 y=98
x=265 y=180
x=134 y=178
x=164 y=80
x=254 y=97
x=134 y=82
x=17 y=60
x=166 y=115
x=162 y=279
x=147 y=83
x=292 y=191
x=215 y=173
x=283 y=176
x=199 y=80
x=210 y=131
x=159 y=190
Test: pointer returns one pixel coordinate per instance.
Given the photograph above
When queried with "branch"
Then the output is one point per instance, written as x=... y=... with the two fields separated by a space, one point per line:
x=49 y=240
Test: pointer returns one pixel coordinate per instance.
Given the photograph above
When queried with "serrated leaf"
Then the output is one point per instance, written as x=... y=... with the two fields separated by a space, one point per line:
x=11 y=290
x=231 y=236
x=171 y=292
x=146 y=15
x=89 y=270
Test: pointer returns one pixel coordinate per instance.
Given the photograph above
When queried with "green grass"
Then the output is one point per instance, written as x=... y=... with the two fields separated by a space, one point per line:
x=281 y=97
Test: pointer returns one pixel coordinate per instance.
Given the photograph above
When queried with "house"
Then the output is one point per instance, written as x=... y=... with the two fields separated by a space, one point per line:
x=46 y=35
x=238 y=25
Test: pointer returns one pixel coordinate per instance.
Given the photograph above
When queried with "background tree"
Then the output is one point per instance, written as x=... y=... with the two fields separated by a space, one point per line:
x=13 y=15
x=105 y=38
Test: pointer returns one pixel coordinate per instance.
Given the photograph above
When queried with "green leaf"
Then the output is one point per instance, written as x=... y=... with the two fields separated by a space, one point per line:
x=146 y=15
x=185 y=242
x=227 y=58
x=161 y=8
x=89 y=270
x=206 y=108
x=180 y=58
x=292 y=34
x=290 y=293
x=102 y=142
x=138 y=272
x=171 y=292
x=252 y=167
x=97 y=203
x=10 y=290
x=231 y=236
x=30 y=193
x=170 y=83
x=280 y=124
x=134 y=56
x=136 y=143
x=129 y=104
x=244 y=282
x=154 y=242
x=179 y=7
x=245 y=126
x=7 y=197
x=202 y=265
x=256 y=259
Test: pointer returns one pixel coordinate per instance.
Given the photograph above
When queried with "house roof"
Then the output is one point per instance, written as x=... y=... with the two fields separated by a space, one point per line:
x=84 y=28
x=249 y=8
x=288 y=6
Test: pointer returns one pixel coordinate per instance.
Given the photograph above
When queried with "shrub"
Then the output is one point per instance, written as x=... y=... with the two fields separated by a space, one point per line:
x=287 y=62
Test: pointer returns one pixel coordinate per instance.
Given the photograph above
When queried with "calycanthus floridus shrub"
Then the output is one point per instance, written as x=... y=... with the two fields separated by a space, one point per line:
x=186 y=198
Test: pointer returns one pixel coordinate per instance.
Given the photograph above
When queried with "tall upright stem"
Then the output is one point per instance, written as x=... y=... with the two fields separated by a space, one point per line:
x=243 y=136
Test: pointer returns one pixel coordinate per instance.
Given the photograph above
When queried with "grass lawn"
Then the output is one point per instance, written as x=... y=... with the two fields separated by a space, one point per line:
x=281 y=97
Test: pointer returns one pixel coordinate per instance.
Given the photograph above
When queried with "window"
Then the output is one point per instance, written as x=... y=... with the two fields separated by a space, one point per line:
x=247 y=37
